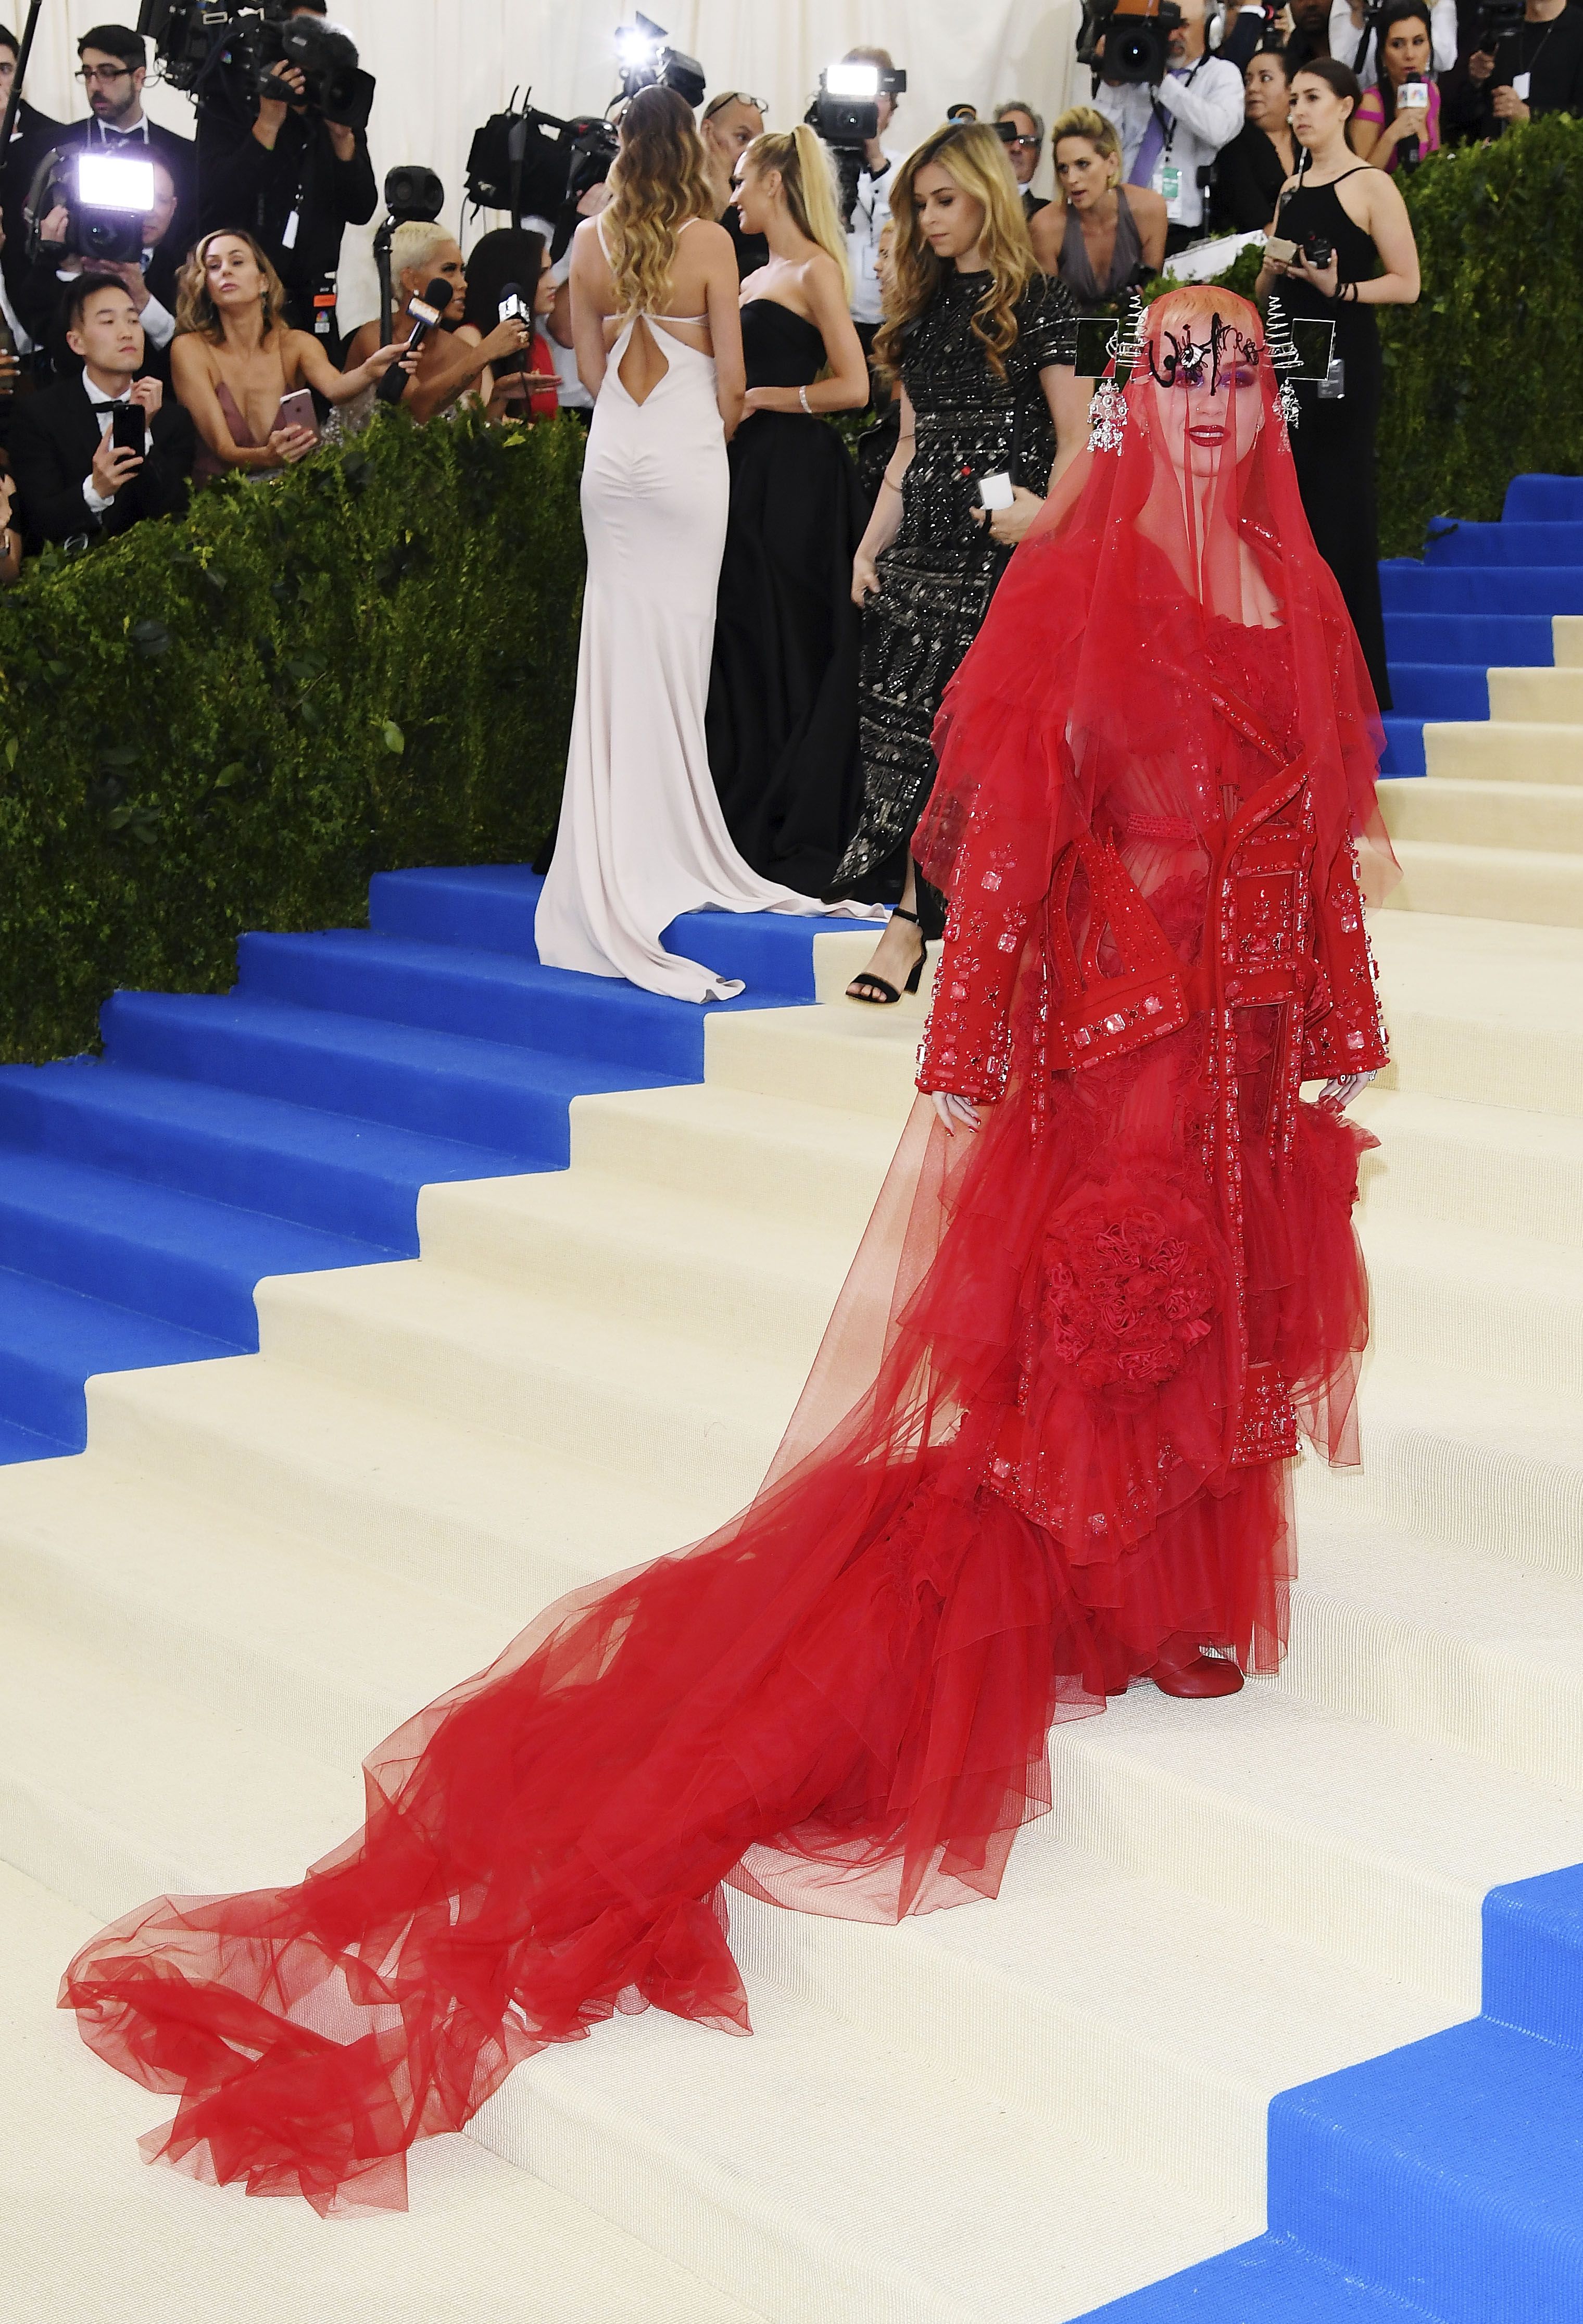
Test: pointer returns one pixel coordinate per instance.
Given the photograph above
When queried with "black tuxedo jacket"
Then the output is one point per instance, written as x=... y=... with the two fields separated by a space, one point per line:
x=36 y=132
x=54 y=436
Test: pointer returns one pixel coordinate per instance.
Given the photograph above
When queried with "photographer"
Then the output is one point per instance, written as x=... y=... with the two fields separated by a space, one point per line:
x=34 y=134
x=871 y=209
x=1024 y=148
x=1171 y=134
x=295 y=180
x=151 y=279
x=71 y=479
x=1522 y=75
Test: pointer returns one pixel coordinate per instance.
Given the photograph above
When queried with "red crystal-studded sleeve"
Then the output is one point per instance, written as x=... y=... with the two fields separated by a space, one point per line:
x=967 y=1043
x=1345 y=1033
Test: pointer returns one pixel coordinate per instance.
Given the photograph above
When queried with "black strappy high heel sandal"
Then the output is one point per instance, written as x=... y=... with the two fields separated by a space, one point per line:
x=881 y=993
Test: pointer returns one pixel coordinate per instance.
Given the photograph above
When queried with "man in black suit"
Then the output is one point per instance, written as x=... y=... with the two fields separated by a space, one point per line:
x=113 y=66
x=70 y=478
x=293 y=178
x=32 y=135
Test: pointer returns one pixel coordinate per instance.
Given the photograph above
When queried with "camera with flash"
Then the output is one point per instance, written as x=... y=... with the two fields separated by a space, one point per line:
x=107 y=202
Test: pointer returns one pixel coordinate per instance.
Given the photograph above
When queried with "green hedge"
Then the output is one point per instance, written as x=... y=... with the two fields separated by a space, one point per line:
x=230 y=722
x=1482 y=382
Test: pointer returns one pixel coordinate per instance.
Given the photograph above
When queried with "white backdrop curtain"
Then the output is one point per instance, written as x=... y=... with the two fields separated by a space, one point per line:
x=444 y=66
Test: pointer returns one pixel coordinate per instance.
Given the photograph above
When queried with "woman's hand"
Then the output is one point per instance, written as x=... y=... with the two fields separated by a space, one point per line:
x=1009 y=525
x=954 y=1112
x=1337 y=1094
x=759 y=399
x=383 y=358
x=513 y=337
x=1326 y=280
x=864 y=580
x=287 y=446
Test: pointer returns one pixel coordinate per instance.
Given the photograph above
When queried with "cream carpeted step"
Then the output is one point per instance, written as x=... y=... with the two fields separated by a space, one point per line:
x=1510 y=1306
x=1502 y=750
x=1508 y=883
x=1490 y=1168
x=1531 y=816
x=1485 y=1010
x=848 y=1055
x=94 y=2237
x=1552 y=698
x=1566 y=633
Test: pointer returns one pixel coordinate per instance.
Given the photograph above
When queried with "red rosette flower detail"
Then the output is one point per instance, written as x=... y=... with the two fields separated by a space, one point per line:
x=1127 y=1288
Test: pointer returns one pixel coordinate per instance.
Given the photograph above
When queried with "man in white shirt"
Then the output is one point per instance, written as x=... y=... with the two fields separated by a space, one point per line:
x=1168 y=133
x=870 y=209
x=71 y=479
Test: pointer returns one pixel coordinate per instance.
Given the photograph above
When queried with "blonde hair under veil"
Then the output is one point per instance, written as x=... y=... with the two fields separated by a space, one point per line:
x=808 y=181
x=970 y=152
x=658 y=181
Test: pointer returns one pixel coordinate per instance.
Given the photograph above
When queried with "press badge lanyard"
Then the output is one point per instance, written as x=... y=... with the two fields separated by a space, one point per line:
x=1167 y=173
x=1522 y=82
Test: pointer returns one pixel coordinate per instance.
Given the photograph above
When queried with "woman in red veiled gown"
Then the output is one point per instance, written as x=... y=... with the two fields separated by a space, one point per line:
x=1045 y=1448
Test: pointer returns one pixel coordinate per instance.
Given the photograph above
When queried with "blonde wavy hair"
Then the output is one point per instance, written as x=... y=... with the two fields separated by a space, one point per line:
x=971 y=153
x=1087 y=120
x=197 y=312
x=808 y=181
x=658 y=181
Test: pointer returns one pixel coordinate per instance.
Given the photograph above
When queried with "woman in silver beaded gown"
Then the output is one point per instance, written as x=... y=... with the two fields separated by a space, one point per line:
x=983 y=345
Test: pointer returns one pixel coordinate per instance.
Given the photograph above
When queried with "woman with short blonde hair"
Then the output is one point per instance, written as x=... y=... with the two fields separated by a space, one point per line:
x=983 y=345
x=1099 y=236
x=234 y=360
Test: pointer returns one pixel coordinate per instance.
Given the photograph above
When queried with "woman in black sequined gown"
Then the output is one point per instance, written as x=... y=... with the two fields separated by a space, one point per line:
x=983 y=344
x=783 y=710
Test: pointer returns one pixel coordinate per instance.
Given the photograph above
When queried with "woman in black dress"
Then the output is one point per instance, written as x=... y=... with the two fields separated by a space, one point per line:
x=983 y=345
x=1250 y=171
x=783 y=711
x=1358 y=212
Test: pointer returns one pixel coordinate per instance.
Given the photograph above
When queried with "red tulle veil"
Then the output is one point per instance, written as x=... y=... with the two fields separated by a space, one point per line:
x=1010 y=1479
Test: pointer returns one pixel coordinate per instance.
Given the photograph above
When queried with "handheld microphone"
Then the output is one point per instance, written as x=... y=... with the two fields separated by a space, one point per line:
x=512 y=309
x=426 y=313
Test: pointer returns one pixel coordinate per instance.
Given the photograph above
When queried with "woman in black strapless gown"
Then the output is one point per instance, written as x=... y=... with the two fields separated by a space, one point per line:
x=783 y=710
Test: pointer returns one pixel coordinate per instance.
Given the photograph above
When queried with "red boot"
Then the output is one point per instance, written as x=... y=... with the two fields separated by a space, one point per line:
x=1184 y=1668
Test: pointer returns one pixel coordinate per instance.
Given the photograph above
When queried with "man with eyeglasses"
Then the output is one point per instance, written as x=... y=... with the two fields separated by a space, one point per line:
x=112 y=68
x=728 y=124
x=1022 y=130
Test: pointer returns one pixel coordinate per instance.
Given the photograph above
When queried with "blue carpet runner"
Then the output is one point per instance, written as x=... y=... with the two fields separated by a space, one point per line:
x=1443 y=2180
x=1482 y=599
x=290 y=1125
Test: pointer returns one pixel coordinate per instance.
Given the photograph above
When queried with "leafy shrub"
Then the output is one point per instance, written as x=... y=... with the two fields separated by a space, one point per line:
x=231 y=722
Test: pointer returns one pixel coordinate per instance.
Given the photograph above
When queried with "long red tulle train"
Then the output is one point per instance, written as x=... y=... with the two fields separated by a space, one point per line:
x=1047 y=1435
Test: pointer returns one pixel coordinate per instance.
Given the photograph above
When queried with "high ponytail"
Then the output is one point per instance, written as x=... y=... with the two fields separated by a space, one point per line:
x=808 y=181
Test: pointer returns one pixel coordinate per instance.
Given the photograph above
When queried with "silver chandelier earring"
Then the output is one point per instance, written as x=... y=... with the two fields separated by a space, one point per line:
x=1284 y=359
x=1107 y=414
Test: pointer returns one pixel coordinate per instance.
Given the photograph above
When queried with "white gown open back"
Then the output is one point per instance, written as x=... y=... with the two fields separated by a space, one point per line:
x=642 y=837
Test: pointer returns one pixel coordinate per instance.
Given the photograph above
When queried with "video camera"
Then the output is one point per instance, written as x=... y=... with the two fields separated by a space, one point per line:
x=533 y=164
x=197 y=40
x=1497 y=21
x=107 y=199
x=646 y=62
x=1134 y=36
x=846 y=113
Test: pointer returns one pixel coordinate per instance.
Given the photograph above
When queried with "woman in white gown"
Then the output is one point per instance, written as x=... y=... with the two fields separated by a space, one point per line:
x=659 y=346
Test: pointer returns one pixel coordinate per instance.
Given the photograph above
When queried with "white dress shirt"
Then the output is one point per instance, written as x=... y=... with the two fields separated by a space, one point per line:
x=1346 y=39
x=871 y=213
x=1204 y=108
x=105 y=405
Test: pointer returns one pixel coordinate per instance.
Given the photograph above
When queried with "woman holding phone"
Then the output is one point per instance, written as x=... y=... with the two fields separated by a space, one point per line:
x=1399 y=119
x=1341 y=244
x=241 y=373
